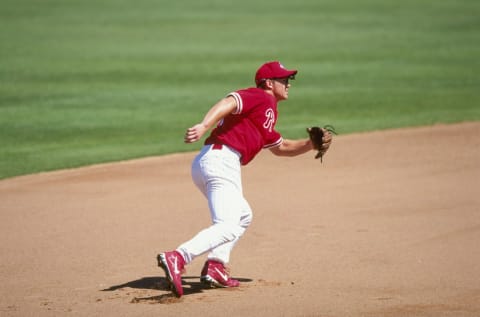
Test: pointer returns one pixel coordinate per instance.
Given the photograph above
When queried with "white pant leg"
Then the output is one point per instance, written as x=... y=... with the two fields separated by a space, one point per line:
x=217 y=173
x=222 y=252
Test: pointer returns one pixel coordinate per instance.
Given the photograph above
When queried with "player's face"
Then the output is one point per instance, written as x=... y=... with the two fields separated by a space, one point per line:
x=280 y=88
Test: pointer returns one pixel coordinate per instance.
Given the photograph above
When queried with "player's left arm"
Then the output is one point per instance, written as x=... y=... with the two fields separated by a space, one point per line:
x=292 y=147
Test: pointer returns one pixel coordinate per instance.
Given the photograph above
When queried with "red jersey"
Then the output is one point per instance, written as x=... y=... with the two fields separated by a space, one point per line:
x=251 y=127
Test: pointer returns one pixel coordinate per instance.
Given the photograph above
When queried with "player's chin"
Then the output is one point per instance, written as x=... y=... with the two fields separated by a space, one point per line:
x=281 y=97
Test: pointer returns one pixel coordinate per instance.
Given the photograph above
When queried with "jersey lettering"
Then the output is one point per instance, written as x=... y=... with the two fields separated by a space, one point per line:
x=270 y=119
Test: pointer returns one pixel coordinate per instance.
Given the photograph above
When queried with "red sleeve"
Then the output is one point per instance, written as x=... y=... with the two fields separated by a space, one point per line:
x=275 y=143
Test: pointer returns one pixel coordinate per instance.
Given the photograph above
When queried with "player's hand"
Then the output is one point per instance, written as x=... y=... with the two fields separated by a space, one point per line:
x=194 y=133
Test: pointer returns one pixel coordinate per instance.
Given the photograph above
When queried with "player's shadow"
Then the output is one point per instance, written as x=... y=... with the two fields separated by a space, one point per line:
x=191 y=285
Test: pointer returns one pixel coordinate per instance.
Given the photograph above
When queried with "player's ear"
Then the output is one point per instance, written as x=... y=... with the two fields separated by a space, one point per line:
x=269 y=84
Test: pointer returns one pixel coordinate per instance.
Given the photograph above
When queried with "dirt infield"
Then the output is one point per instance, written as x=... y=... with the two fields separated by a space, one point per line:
x=388 y=225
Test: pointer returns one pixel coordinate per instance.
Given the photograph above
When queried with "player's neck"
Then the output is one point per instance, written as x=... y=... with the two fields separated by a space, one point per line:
x=270 y=92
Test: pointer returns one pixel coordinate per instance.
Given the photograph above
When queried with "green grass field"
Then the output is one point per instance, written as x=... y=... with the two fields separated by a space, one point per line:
x=83 y=82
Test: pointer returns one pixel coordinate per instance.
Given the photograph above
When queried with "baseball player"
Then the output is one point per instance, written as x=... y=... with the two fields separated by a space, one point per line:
x=245 y=124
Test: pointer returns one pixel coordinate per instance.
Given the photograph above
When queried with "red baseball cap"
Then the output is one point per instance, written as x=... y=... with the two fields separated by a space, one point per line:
x=273 y=70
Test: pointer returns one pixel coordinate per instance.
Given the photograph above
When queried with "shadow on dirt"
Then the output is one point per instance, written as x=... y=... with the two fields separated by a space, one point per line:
x=191 y=285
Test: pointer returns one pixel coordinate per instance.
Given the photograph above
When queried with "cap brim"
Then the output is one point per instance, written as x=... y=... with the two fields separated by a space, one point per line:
x=288 y=74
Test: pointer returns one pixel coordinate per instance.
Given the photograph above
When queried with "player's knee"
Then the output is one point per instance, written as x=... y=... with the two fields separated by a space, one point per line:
x=231 y=231
x=246 y=220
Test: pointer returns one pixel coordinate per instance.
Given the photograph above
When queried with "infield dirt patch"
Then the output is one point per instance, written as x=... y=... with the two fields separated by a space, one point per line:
x=388 y=225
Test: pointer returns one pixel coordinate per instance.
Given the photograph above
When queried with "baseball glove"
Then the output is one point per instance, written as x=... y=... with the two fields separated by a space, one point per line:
x=321 y=139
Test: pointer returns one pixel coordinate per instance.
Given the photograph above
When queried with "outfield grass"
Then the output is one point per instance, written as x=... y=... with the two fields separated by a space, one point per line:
x=89 y=81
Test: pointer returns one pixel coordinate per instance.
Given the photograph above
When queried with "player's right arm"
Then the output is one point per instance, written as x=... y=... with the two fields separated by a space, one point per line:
x=219 y=111
x=292 y=147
